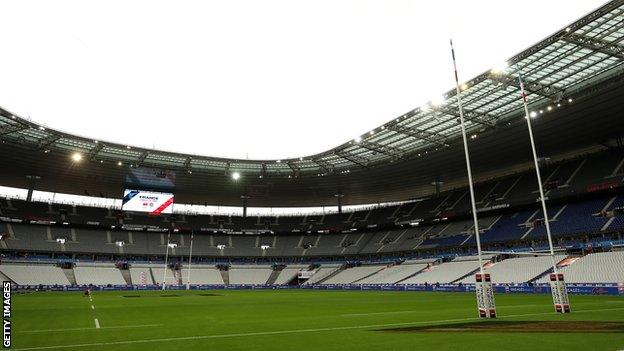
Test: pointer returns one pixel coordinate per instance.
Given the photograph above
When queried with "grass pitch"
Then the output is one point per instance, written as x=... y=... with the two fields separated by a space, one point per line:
x=309 y=320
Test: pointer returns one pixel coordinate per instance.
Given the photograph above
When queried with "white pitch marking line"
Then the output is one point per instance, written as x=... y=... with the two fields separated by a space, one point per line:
x=499 y=307
x=91 y=328
x=97 y=323
x=294 y=331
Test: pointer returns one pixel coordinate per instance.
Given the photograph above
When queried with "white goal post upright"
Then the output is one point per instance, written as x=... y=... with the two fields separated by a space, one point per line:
x=188 y=279
x=557 y=284
x=483 y=285
x=166 y=260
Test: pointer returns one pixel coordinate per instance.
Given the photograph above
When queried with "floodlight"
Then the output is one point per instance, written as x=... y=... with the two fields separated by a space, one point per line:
x=76 y=157
x=172 y=245
x=221 y=246
x=264 y=247
x=236 y=176
x=60 y=240
x=357 y=139
x=120 y=243
x=533 y=114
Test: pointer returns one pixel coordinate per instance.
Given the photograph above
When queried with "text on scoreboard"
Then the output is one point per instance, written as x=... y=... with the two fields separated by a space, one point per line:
x=147 y=201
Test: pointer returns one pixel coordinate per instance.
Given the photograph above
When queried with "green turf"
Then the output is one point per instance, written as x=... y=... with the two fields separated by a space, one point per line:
x=295 y=320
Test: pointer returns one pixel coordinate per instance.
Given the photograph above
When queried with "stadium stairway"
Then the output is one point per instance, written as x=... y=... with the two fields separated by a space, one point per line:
x=125 y=273
x=469 y=274
x=332 y=274
x=273 y=277
x=225 y=275
x=151 y=272
x=568 y=259
x=426 y=268
x=486 y=264
x=5 y=278
x=372 y=274
x=71 y=276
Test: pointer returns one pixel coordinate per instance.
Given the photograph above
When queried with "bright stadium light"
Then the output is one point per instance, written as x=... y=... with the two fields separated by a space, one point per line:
x=264 y=247
x=437 y=101
x=500 y=67
x=172 y=245
x=120 y=243
x=221 y=246
x=357 y=139
x=119 y=163
x=76 y=157
x=60 y=240
x=533 y=114
x=236 y=176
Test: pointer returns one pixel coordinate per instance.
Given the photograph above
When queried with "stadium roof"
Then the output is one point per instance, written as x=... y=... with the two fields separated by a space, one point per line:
x=575 y=77
x=556 y=69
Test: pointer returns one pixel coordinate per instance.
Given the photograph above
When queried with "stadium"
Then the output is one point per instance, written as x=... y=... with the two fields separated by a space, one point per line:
x=491 y=219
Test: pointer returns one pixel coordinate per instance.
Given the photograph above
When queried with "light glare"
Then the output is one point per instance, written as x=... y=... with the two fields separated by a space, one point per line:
x=76 y=157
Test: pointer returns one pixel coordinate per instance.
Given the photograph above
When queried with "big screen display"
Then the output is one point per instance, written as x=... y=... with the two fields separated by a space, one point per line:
x=147 y=201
